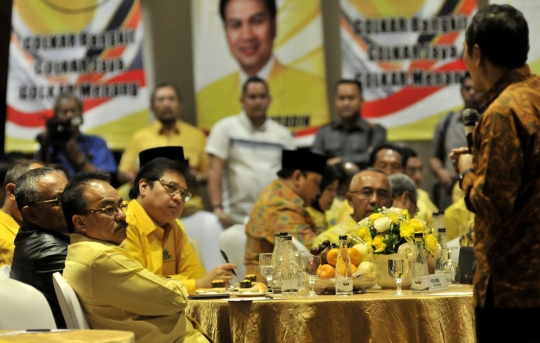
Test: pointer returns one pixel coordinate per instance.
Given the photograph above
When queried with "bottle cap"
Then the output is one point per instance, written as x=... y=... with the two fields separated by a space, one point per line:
x=418 y=235
x=284 y=234
x=342 y=237
x=442 y=229
x=277 y=234
x=288 y=238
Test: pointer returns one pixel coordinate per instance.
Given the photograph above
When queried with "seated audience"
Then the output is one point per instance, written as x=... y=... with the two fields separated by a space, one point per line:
x=323 y=202
x=10 y=216
x=281 y=207
x=245 y=154
x=369 y=188
x=340 y=210
x=41 y=243
x=412 y=167
x=388 y=158
x=404 y=193
x=69 y=147
x=115 y=291
x=154 y=237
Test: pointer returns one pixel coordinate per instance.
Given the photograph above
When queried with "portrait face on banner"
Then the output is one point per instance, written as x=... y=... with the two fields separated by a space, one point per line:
x=278 y=41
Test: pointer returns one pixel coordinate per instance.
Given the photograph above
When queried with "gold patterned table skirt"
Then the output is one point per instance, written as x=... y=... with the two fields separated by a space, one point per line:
x=373 y=317
x=70 y=336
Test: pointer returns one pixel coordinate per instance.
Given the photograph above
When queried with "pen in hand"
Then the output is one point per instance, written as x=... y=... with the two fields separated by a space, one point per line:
x=227 y=260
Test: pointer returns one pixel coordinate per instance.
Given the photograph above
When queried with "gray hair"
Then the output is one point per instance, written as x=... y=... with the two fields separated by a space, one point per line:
x=402 y=183
x=26 y=189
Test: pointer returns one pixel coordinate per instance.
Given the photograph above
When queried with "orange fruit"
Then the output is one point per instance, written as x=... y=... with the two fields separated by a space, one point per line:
x=354 y=268
x=326 y=271
x=342 y=267
x=355 y=256
x=331 y=257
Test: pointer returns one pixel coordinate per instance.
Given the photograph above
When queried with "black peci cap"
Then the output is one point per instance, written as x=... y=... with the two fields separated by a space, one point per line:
x=173 y=153
x=303 y=160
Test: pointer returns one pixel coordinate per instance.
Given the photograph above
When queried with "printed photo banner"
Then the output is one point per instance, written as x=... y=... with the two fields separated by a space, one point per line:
x=285 y=50
x=89 y=47
x=408 y=56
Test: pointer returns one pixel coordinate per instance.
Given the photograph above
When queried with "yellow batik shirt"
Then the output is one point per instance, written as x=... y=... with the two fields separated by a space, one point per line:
x=118 y=293
x=8 y=230
x=278 y=209
x=162 y=250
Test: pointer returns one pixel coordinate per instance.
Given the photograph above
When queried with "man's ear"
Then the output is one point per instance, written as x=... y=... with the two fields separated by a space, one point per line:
x=79 y=222
x=477 y=55
x=10 y=191
x=348 y=196
x=143 y=186
x=297 y=177
x=28 y=213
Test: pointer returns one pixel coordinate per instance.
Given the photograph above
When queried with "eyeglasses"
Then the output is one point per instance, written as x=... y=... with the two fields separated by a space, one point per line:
x=173 y=189
x=108 y=211
x=57 y=201
x=368 y=193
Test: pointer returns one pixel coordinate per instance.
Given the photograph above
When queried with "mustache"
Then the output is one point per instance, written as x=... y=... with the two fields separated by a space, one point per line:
x=121 y=225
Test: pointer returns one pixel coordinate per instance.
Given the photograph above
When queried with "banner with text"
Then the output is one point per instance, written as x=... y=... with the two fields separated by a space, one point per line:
x=408 y=57
x=90 y=48
x=247 y=39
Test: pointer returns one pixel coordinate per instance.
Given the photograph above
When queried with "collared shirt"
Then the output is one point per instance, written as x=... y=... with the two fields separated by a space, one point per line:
x=454 y=138
x=349 y=144
x=425 y=208
x=118 y=293
x=278 y=209
x=319 y=218
x=263 y=73
x=504 y=192
x=162 y=250
x=154 y=136
x=93 y=148
x=253 y=157
x=333 y=233
x=8 y=230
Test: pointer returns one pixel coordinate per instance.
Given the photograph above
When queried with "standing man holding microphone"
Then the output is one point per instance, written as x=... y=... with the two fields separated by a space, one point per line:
x=501 y=178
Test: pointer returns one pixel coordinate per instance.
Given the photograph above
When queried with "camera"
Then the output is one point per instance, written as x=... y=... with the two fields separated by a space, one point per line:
x=60 y=131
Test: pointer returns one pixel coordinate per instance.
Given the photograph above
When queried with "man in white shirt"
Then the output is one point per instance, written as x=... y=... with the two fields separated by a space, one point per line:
x=245 y=154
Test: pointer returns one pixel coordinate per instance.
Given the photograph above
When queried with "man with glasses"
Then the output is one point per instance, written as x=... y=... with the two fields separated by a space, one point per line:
x=154 y=237
x=142 y=302
x=369 y=189
x=41 y=243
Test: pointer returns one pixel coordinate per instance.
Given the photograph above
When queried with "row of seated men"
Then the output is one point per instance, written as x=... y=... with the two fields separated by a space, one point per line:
x=130 y=263
x=242 y=147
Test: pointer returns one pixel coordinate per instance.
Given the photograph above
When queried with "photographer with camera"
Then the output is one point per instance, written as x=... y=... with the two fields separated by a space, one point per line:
x=62 y=143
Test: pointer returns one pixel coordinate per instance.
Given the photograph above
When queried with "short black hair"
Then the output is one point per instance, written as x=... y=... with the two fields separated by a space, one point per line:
x=73 y=201
x=407 y=153
x=287 y=173
x=17 y=170
x=465 y=76
x=154 y=170
x=68 y=96
x=502 y=34
x=26 y=189
x=270 y=6
x=351 y=82
x=254 y=79
x=389 y=146
x=163 y=85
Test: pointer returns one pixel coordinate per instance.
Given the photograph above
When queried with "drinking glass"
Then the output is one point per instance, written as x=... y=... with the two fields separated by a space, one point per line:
x=398 y=268
x=310 y=264
x=266 y=267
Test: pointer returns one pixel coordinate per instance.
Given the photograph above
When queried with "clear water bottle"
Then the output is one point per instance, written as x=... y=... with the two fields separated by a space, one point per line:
x=277 y=262
x=442 y=243
x=344 y=282
x=450 y=268
x=420 y=284
x=289 y=269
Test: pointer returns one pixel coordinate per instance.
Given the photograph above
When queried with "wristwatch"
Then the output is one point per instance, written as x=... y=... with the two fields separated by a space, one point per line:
x=462 y=176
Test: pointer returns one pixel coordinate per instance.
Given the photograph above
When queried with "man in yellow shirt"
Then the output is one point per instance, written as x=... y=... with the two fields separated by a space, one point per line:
x=117 y=292
x=167 y=130
x=368 y=189
x=154 y=236
x=10 y=216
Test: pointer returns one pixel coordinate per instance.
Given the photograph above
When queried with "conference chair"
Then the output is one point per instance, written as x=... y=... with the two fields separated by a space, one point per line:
x=22 y=307
x=233 y=242
x=69 y=304
x=205 y=227
x=5 y=270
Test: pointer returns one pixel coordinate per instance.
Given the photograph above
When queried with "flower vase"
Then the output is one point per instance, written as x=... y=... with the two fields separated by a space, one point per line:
x=386 y=281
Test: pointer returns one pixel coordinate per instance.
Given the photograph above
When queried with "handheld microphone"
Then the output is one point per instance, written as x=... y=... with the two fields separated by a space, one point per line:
x=470 y=118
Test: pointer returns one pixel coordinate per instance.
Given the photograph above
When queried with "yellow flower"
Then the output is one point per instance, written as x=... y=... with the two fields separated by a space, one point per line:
x=364 y=234
x=394 y=218
x=374 y=217
x=431 y=242
x=378 y=243
x=405 y=213
x=406 y=230
x=417 y=225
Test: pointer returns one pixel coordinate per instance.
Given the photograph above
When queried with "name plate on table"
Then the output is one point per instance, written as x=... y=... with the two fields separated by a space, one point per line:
x=437 y=282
